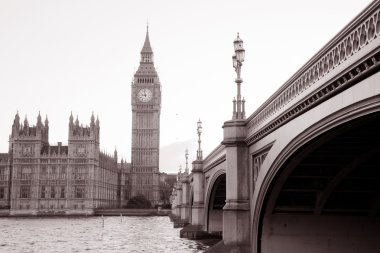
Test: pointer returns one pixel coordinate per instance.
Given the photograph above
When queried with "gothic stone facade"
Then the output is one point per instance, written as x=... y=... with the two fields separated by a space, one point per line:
x=146 y=108
x=4 y=181
x=37 y=178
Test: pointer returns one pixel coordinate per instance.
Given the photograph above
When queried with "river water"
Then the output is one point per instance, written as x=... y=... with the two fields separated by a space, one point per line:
x=94 y=234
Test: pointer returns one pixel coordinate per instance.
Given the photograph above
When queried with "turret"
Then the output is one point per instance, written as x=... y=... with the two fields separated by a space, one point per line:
x=71 y=120
x=46 y=126
x=83 y=139
x=92 y=124
x=16 y=126
x=77 y=122
x=77 y=130
x=39 y=121
x=115 y=154
x=28 y=137
x=26 y=126
x=98 y=127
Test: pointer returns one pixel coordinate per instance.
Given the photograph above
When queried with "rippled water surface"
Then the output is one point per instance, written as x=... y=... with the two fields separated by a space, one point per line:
x=118 y=234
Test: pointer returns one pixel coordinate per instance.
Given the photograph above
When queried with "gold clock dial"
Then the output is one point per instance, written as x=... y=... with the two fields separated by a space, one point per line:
x=145 y=95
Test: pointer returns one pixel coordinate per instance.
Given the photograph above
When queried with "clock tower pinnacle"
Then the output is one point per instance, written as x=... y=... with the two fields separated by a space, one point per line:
x=146 y=108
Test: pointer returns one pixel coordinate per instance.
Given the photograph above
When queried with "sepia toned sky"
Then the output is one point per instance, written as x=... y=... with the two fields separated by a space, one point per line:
x=81 y=55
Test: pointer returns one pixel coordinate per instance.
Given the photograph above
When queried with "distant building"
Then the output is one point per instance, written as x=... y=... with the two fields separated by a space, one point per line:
x=125 y=183
x=59 y=179
x=37 y=178
x=4 y=181
x=167 y=182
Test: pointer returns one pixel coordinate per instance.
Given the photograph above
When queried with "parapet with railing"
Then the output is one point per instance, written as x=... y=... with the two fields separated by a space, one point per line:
x=341 y=60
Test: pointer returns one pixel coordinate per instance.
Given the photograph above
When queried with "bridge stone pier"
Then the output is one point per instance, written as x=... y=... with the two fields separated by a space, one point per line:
x=179 y=205
x=185 y=206
x=197 y=204
x=301 y=173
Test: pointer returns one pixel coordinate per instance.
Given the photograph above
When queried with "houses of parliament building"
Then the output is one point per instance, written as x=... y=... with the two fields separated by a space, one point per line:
x=37 y=178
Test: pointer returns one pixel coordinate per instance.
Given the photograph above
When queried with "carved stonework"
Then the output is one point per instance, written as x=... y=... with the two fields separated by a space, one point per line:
x=354 y=39
x=58 y=179
x=81 y=151
x=258 y=160
x=27 y=150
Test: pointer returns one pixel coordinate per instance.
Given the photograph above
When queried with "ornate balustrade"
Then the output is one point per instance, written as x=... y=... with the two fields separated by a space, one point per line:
x=346 y=59
x=217 y=156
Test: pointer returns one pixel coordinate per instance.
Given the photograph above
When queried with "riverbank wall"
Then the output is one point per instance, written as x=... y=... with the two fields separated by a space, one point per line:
x=97 y=212
x=132 y=212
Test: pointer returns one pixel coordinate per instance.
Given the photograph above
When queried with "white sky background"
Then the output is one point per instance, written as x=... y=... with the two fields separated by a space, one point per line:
x=80 y=56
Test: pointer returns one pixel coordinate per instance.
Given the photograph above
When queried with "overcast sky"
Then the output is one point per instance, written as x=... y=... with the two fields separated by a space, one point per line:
x=80 y=56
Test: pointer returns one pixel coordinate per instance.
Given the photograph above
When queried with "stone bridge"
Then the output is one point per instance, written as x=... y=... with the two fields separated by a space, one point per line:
x=301 y=173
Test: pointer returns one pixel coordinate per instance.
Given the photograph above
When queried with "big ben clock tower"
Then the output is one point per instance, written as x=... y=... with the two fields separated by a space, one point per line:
x=146 y=107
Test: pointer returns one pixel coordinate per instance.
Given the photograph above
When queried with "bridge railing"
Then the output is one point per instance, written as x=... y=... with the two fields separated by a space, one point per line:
x=350 y=45
x=214 y=158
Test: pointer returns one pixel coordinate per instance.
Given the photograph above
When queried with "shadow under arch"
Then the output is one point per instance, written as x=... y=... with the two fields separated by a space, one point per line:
x=215 y=201
x=293 y=191
x=191 y=198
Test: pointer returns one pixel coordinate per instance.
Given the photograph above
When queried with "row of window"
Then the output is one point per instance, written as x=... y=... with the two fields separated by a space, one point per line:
x=79 y=172
x=55 y=192
x=54 y=176
x=51 y=207
x=78 y=160
x=147 y=180
x=3 y=173
x=44 y=161
x=54 y=170
x=143 y=170
x=145 y=80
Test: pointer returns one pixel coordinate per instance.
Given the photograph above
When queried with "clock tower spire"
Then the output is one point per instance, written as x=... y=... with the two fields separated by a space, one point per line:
x=146 y=108
x=146 y=51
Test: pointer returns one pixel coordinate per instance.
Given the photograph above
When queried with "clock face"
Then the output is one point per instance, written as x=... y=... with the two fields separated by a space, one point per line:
x=145 y=95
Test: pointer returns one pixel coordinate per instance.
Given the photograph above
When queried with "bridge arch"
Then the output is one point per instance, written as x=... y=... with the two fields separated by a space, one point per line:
x=324 y=208
x=215 y=200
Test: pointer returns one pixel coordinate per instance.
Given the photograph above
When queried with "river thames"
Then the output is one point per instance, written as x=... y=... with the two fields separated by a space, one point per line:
x=94 y=234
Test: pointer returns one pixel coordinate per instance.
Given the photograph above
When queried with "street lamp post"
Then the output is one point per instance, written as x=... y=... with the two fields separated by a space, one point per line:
x=187 y=157
x=179 y=173
x=237 y=60
x=199 y=131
